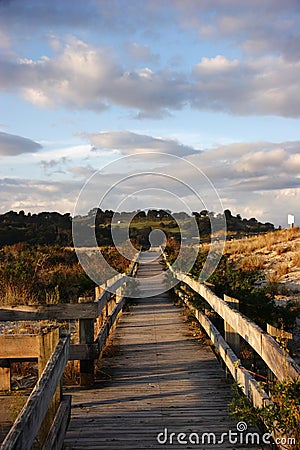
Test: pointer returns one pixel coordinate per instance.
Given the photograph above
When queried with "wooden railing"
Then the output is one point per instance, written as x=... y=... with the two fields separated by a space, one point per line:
x=103 y=312
x=44 y=418
x=237 y=325
x=277 y=360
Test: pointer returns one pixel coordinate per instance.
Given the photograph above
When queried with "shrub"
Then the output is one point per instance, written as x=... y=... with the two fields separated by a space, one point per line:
x=282 y=415
x=240 y=281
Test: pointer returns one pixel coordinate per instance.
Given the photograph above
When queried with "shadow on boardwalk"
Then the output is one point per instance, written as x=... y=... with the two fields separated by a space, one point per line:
x=161 y=378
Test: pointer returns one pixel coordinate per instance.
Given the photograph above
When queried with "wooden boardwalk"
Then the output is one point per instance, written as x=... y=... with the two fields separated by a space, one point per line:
x=161 y=378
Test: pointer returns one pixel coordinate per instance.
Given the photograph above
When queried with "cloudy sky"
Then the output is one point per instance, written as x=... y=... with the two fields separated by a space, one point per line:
x=214 y=83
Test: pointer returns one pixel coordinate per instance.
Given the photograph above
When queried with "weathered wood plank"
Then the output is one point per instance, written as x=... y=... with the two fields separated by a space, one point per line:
x=107 y=290
x=58 y=430
x=161 y=377
x=5 y=375
x=27 y=425
x=278 y=333
x=47 y=344
x=19 y=346
x=49 y=312
x=86 y=337
x=110 y=321
x=83 y=351
x=230 y=334
x=63 y=311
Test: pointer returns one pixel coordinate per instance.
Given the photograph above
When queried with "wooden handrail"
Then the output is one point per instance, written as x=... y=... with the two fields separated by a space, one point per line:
x=68 y=311
x=246 y=381
x=105 y=308
x=26 y=427
x=279 y=363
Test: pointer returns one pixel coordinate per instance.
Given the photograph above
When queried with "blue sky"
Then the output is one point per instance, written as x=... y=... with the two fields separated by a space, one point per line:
x=215 y=82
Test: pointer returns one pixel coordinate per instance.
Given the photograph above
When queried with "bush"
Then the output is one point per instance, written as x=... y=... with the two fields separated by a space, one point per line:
x=240 y=281
x=40 y=274
x=282 y=415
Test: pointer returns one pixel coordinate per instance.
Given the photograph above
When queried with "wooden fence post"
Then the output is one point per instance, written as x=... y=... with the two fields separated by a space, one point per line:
x=119 y=293
x=231 y=336
x=86 y=336
x=284 y=338
x=279 y=334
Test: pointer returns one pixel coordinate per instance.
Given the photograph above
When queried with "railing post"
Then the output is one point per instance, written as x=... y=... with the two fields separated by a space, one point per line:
x=231 y=336
x=86 y=336
x=284 y=338
x=5 y=375
x=119 y=293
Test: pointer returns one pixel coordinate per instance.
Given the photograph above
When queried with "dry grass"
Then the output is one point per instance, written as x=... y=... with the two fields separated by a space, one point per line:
x=277 y=254
x=280 y=270
x=252 y=263
x=296 y=260
x=17 y=295
x=272 y=241
x=283 y=249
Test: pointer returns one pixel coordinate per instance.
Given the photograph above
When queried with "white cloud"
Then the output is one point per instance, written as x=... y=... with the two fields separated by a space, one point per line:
x=253 y=179
x=215 y=66
x=292 y=164
x=261 y=161
x=83 y=76
x=265 y=86
x=37 y=195
x=12 y=145
x=129 y=143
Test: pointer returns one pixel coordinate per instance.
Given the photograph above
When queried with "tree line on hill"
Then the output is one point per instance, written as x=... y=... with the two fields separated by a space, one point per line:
x=53 y=228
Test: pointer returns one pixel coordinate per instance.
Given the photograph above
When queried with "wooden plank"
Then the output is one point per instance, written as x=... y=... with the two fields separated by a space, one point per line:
x=58 y=430
x=161 y=377
x=5 y=375
x=102 y=301
x=83 y=351
x=278 y=333
x=107 y=290
x=86 y=337
x=47 y=344
x=231 y=336
x=21 y=346
x=110 y=321
x=27 y=425
x=49 y=312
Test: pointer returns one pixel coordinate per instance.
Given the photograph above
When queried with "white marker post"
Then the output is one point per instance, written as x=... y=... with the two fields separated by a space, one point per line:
x=291 y=220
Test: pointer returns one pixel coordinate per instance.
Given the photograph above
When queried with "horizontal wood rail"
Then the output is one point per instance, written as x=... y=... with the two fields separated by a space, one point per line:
x=68 y=311
x=45 y=405
x=281 y=364
x=248 y=383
